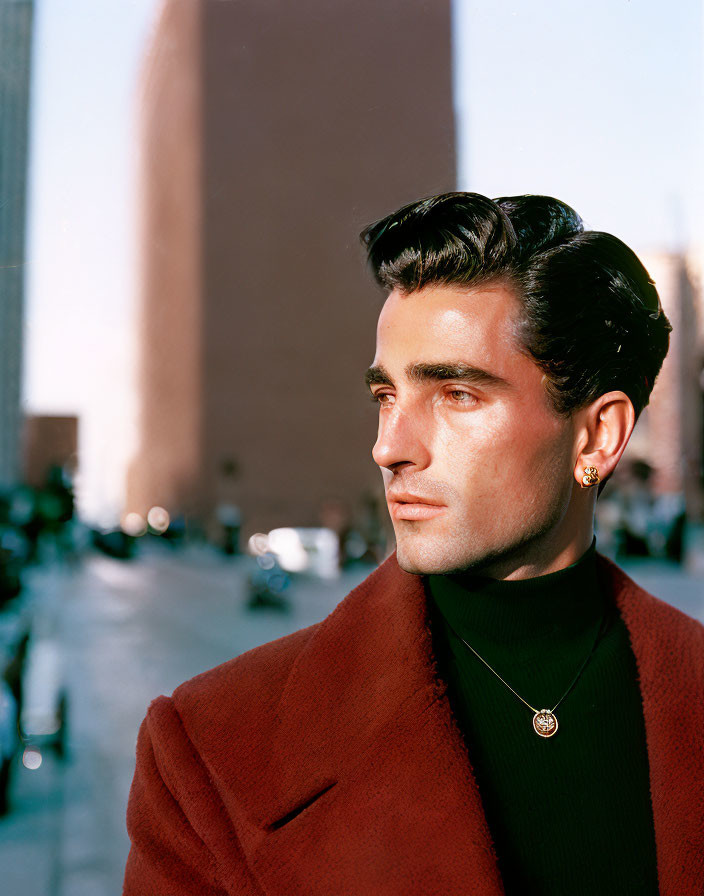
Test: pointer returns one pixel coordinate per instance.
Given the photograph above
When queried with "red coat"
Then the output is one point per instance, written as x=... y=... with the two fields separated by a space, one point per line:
x=328 y=763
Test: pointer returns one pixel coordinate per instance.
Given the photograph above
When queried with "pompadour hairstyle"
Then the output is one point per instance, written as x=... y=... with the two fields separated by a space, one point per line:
x=592 y=319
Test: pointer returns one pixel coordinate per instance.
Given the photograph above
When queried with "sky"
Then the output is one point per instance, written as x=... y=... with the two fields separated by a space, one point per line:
x=81 y=275
x=598 y=103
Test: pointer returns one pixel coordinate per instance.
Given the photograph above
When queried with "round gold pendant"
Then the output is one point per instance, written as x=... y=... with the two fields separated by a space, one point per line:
x=545 y=723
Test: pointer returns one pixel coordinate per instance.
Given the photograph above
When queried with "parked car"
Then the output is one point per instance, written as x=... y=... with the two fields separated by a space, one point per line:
x=33 y=696
x=283 y=554
x=43 y=720
x=14 y=641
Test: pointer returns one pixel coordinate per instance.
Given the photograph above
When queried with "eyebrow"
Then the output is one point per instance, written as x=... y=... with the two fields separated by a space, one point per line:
x=423 y=373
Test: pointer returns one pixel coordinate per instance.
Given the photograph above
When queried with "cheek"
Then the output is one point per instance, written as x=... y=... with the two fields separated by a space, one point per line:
x=536 y=468
x=490 y=450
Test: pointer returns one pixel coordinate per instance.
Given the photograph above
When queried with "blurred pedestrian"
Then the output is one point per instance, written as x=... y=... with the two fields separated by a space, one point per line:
x=227 y=511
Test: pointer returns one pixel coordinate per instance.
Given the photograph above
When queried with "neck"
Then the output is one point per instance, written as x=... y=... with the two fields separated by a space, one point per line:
x=555 y=550
x=526 y=611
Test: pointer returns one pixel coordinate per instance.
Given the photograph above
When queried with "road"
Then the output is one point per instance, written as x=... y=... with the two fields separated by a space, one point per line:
x=130 y=631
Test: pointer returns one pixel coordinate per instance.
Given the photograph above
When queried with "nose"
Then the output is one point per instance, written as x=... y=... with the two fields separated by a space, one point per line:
x=402 y=440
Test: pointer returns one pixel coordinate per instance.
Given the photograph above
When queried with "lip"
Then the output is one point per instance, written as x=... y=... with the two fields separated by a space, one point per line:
x=412 y=507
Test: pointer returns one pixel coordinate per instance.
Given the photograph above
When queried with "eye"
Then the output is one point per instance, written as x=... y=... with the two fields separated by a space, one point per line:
x=459 y=396
x=382 y=398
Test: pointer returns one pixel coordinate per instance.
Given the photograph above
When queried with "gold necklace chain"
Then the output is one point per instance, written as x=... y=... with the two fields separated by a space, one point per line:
x=544 y=720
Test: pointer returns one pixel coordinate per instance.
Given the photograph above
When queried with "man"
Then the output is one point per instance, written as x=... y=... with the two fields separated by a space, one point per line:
x=496 y=709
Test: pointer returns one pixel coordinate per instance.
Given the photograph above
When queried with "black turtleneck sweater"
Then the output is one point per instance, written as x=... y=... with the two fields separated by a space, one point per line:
x=569 y=814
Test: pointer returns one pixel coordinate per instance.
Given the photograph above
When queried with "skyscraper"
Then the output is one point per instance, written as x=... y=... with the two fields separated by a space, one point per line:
x=272 y=133
x=671 y=437
x=15 y=63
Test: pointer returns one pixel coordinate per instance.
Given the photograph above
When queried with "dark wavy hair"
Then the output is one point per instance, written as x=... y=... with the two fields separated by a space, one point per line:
x=592 y=318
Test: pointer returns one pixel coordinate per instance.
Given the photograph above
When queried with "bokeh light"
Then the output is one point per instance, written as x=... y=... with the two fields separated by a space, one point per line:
x=159 y=519
x=134 y=524
x=266 y=561
x=32 y=758
x=258 y=544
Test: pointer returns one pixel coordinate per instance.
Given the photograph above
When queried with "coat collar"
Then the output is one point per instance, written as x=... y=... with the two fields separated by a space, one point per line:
x=366 y=752
x=669 y=650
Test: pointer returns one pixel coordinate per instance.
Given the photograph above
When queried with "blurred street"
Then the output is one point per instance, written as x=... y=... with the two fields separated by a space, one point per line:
x=130 y=631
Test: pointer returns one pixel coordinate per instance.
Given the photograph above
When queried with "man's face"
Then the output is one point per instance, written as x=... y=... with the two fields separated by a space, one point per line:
x=478 y=468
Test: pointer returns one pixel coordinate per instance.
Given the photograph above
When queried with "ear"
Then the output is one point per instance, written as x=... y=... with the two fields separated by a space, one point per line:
x=603 y=430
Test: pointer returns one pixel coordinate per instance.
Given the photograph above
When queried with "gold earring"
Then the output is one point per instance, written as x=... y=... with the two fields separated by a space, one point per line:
x=590 y=477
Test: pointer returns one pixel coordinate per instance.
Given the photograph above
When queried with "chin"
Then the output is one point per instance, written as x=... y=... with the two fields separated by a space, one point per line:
x=424 y=554
x=429 y=559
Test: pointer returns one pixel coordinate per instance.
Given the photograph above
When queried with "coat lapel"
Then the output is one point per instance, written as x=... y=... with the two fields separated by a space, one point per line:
x=372 y=789
x=669 y=650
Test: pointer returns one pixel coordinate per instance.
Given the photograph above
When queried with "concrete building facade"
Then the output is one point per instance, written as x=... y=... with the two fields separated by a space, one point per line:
x=49 y=441
x=16 y=17
x=272 y=133
x=669 y=435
